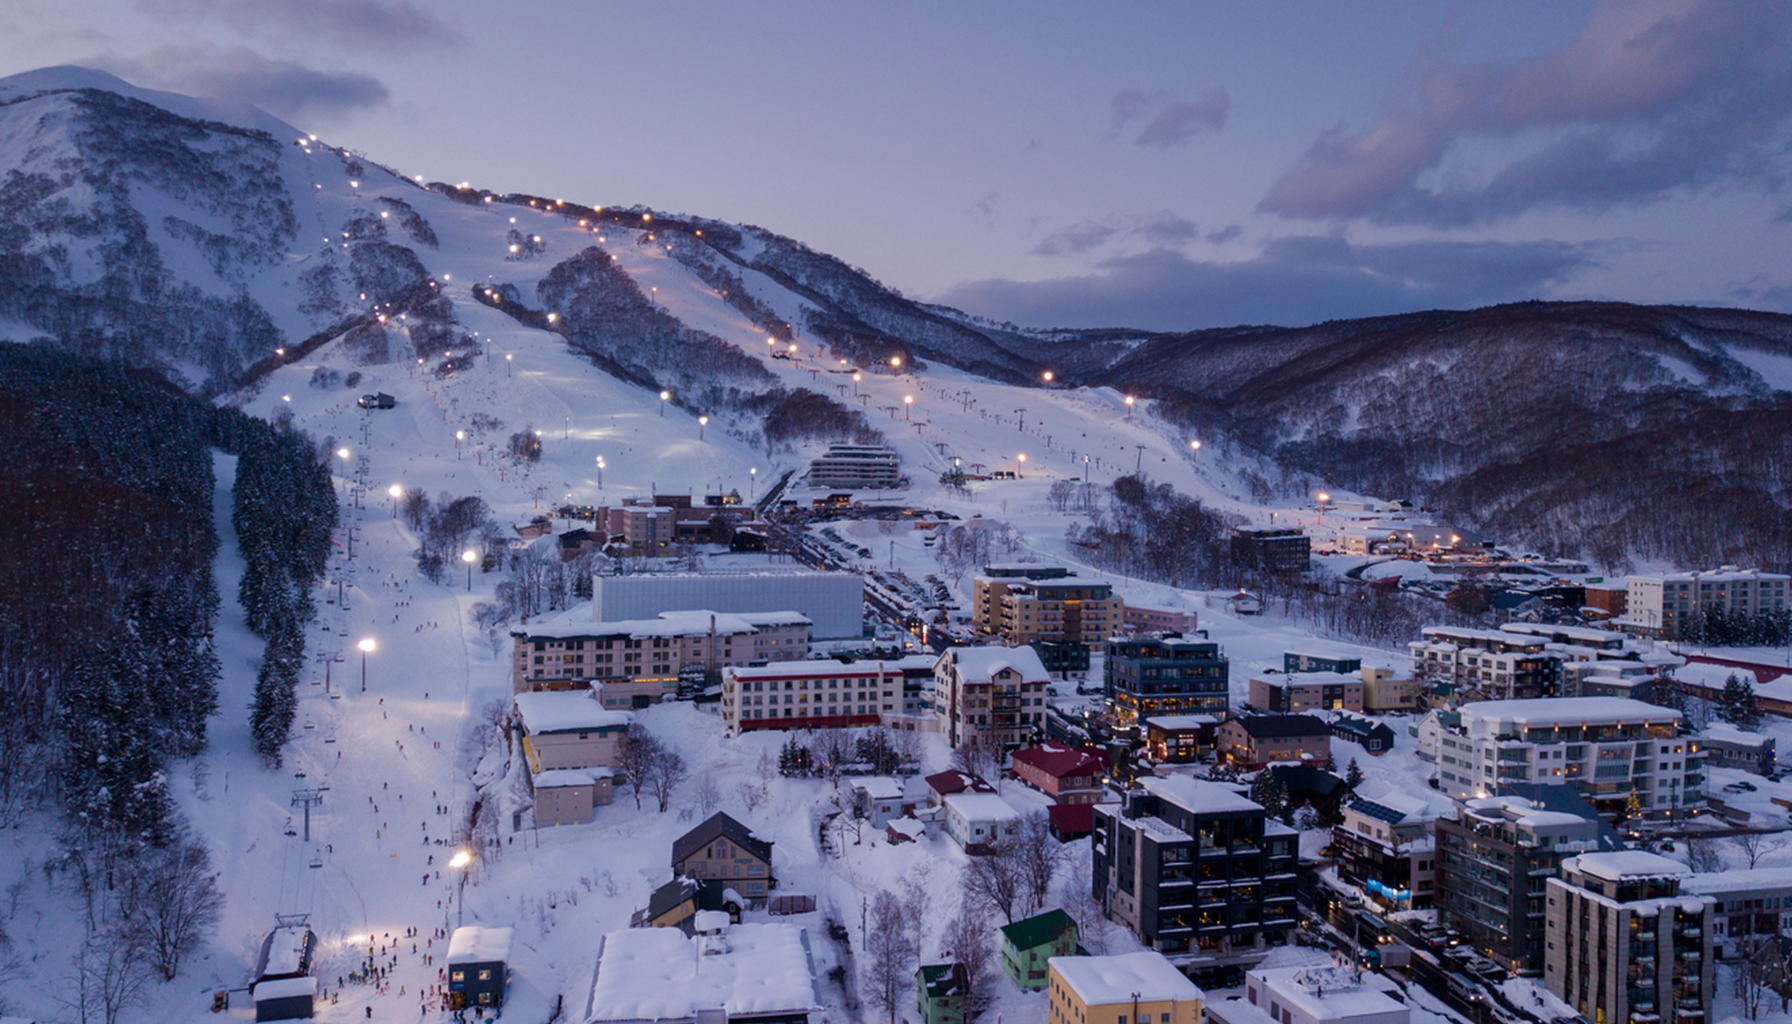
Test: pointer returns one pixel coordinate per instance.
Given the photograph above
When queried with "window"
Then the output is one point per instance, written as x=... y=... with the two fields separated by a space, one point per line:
x=457 y=976
x=485 y=974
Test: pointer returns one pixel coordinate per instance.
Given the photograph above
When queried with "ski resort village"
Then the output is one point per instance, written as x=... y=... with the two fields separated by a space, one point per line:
x=749 y=645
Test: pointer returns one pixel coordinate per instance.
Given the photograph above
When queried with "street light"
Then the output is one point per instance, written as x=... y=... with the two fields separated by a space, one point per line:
x=702 y=421
x=665 y=396
x=509 y=360
x=1194 y=448
x=908 y=405
x=1048 y=379
x=459 y=436
x=600 y=472
x=1129 y=407
x=1021 y=463
x=365 y=646
x=462 y=860
x=753 y=478
x=855 y=381
x=469 y=557
x=397 y=492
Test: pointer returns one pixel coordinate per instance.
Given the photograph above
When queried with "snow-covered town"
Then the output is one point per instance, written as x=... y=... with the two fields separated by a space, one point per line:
x=1001 y=699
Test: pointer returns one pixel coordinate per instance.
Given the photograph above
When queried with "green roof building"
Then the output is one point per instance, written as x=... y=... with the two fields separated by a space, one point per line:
x=939 y=993
x=1027 y=944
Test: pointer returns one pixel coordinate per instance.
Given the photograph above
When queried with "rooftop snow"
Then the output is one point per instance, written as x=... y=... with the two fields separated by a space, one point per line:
x=825 y=668
x=1758 y=880
x=1618 y=865
x=566 y=711
x=284 y=988
x=1106 y=980
x=982 y=807
x=1175 y=722
x=657 y=974
x=558 y=778
x=1198 y=796
x=1549 y=711
x=879 y=788
x=1330 y=993
x=980 y=664
x=681 y=623
x=470 y=945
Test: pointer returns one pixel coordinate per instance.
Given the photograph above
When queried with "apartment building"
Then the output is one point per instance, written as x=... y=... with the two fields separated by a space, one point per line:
x=1726 y=746
x=1253 y=741
x=827 y=694
x=1624 y=942
x=1167 y=676
x=1272 y=548
x=1198 y=872
x=1387 y=847
x=856 y=467
x=1307 y=691
x=996 y=692
x=1332 y=994
x=1665 y=605
x=1752 y=906
x=1493 y=856
x=1026 y=603
x=1387 y=692
x=570 y=743
x=567 y=651
x=1488 y=664
x=1606 y=748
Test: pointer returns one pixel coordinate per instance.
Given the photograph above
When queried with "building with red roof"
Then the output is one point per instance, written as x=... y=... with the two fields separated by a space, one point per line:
x=1069 y=775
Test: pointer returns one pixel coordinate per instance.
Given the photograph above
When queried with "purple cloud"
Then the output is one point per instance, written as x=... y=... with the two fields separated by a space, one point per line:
x=1173 y=121
x=281 y=87
x=367 y=24
x=1648 y=98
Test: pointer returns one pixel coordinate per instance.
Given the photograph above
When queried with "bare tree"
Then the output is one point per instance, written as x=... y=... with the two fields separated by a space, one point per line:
x=109 y=976
x=1752 y=845
x=977 y=754
x=890 y=956
x=1077 y=897
x=831 y=751
x=170 y=900
x=996 y=880
x=917 y=897
x=708 y=796
x=635 y=757
x=1703 y=856
x=967 y=941
x=664 y=774
x=1037 y=854
x=1754 y=968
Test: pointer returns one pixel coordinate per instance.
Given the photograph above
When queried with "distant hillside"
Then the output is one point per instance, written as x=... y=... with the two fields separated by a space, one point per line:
x=1591 y=427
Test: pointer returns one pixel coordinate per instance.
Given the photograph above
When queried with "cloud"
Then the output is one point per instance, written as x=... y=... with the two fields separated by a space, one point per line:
x=281 y=87
x=1162 y=228
x=368 y=24
x=1225 y=234
x=1646 y=99
x=1175 y=121
x=1294 y=280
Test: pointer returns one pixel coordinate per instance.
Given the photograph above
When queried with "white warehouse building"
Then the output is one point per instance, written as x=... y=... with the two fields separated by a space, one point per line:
x=832 y=601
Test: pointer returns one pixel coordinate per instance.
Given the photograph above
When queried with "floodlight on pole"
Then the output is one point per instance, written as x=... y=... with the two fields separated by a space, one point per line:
x=702 y=421
x=469 y=557
x=397 y=492
x=462 y=860
x=665 y=396
x=366 y=646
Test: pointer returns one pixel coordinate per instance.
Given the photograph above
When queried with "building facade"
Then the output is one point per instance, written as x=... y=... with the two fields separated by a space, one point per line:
x=1625 y=943
x=1493 y=856
x=1167 y=676
x=1325 y=995
x=1751 y=906
x=1609 y=749
x=566 y=652
x=1139 y=987
x=1387 y=847
x=856 y=467
x=1069 y=775
x=1272 y=548
x=811 y=695
x=1666 y=605
x=1022 y=604
x=1253 y=741
x=1198 y=872
x=997 y=693
x=1307 y=691
x=1487 y=664
x=725 y=850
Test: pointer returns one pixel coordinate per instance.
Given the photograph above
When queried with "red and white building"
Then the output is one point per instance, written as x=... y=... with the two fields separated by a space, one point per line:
x=810 y=695
x=1068 y=775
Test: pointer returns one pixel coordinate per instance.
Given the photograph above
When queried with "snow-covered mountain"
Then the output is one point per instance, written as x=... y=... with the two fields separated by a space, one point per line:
x=215 y=244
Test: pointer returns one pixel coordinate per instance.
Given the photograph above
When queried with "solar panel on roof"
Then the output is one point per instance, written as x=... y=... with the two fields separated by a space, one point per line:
x=1378 y=811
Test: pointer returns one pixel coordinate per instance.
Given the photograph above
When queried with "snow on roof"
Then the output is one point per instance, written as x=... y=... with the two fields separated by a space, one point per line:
x=556 y=778
x=1105 y=980
x=879 y=788
x=1548 y=711
x=1176 y=722
x=829 y=668
x=285 y=950
x=1057 y=760
x=1331 y=992
x=980 y=664
x=472 y=945
x=1621 y=864
x=1758 y=880
x=1730 y=734
x=710 y=921
x=567 y=711
x=656 y=974
x=284 y=988
x=1282 y=681
x=982 y=807
x=677 y=623
x=1198 y=796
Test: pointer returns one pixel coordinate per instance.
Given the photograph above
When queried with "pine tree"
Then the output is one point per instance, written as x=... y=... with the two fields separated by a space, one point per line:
x=270 y=718
x=1731 y=705
x=1270 y=793
x=1748 y=709
x=1353 y=776
x=794 y=759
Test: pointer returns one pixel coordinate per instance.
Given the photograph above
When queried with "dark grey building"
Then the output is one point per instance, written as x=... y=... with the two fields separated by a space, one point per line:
x=1494 y=858
x=1275 y=548
x=1170 y=676
x=1198 y=873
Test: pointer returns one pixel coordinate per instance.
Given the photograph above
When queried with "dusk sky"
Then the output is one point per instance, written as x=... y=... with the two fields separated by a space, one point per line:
x=1159 y=165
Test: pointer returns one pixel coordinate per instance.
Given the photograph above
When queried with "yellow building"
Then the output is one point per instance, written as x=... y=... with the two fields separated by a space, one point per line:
x=1136 y=988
